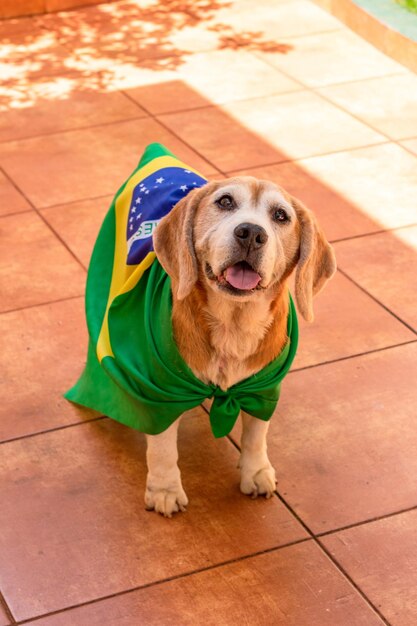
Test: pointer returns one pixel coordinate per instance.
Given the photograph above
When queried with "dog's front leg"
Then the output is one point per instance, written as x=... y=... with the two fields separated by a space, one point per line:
x=257 y=473
x=164 y=491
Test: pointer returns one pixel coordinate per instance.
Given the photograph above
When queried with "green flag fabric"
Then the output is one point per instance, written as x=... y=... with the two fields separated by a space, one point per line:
x=134 y=372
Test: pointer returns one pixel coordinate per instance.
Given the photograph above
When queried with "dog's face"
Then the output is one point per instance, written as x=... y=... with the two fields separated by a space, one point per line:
x=246 y=235
x=240 y=237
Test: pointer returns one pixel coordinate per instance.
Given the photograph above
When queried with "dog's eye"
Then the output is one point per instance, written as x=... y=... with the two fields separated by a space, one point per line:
x=226 y=202
x=280 y=215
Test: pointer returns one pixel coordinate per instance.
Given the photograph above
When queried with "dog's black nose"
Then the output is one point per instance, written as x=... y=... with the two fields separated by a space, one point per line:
x=250 y=235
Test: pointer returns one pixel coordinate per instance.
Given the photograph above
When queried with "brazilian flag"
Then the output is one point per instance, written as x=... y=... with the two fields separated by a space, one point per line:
x=134 y=372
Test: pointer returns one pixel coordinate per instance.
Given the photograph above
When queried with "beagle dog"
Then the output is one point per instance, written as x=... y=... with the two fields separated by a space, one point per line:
x=239 y=240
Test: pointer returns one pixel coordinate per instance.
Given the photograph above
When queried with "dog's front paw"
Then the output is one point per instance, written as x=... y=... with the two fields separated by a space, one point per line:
x=167 y=500
x=258 y=482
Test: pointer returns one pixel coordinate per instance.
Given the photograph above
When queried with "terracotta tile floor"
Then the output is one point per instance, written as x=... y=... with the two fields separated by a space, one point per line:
x=282 y=91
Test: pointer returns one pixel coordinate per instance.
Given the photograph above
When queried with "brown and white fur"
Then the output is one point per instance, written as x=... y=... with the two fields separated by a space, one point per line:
x=226 y=334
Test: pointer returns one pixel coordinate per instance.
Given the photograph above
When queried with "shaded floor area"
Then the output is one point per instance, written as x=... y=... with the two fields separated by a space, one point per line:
x=280 y=91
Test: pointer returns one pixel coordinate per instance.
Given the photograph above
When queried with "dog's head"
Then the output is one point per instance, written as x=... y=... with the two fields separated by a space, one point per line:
x=241 y=237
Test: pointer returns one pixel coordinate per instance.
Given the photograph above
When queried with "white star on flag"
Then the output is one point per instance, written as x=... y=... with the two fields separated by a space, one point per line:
x=147 y=191
x=139 y=215
x=160 y=180
x=131 y=227
x=131 y=219
x=134 y=210
x=187 y=171
x=138 y=200
x=183 y=187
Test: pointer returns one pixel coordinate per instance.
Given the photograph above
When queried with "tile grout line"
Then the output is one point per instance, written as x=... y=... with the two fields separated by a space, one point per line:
x=32 y=306
x=271 y=64
x=41 y=217
x=63 y=242
x=183 y=141
x=354 y=116
x=17 y=213
x=63 y=131
x=360 y=80
x=351 y=356
x=313 y=89
x=397 y=317
x=305 y=158
x=163 y=581
x=414 y=154
x=17 y=188
x=210 y=104
x=70 y=202
x=323 y=549
x=372 y=233
x=353 y=583
x=53 y=430
x=370 y=520
x=6 y=609
x=258 y=55
x=408 y=138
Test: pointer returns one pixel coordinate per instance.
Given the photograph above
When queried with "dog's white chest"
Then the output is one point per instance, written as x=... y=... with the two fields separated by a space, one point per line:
x=231 y=347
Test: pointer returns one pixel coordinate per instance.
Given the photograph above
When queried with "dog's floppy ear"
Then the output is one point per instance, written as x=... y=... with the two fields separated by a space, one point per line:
x=316 y=263
x=174 y=245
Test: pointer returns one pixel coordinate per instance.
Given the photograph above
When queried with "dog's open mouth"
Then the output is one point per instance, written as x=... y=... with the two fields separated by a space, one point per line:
x=238 y=278
x=242 y=276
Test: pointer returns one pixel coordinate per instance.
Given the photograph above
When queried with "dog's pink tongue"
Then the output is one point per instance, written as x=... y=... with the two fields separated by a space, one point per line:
x=242 y=277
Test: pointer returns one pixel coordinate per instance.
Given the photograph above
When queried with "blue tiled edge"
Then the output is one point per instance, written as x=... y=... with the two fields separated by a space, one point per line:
x=393 y=15
x=384 y=23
